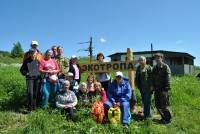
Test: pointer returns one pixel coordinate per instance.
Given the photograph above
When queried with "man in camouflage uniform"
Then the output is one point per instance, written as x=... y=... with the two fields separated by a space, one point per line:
x=161 y=84
x=63 y=64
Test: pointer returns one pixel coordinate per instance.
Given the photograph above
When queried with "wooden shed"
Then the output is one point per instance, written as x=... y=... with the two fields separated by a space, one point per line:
x=180 y=62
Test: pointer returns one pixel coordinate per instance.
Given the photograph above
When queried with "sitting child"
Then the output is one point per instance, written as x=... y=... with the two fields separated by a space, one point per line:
x=100 y=91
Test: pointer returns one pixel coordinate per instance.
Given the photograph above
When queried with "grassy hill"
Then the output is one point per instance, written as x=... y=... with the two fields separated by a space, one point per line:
x=185 y=106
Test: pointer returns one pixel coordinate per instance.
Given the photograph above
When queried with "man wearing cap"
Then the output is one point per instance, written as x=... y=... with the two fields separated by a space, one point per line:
x=39 y=56
x=75 y=68
x=119 y=94
x=161 y=84
x=34 y=45
x=63 y=63
x=30 y=69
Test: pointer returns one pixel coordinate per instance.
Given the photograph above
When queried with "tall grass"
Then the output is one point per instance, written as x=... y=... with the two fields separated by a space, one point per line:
x=184 y=98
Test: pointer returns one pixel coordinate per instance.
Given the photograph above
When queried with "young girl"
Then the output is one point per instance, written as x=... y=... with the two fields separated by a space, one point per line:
x=100 y=91
x=90 y=86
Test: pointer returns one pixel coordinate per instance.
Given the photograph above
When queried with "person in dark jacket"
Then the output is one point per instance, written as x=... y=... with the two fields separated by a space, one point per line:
x=30 y=69
x=161 y=84
x=75 y=68
x=119 y=95
x=144 y=84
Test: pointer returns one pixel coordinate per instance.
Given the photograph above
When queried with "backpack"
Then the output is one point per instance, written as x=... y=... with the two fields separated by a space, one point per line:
x=115 y=115
x=98 y=111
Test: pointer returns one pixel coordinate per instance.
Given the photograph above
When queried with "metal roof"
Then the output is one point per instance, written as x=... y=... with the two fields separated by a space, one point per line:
x=153 y=52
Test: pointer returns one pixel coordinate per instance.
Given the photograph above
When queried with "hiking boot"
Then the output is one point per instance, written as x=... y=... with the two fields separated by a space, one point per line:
x=165 y=122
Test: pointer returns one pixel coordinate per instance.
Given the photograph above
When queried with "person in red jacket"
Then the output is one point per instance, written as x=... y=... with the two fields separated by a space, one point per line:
x=100 y=91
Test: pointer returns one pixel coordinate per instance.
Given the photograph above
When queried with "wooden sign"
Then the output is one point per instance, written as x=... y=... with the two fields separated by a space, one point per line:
x=109 y=66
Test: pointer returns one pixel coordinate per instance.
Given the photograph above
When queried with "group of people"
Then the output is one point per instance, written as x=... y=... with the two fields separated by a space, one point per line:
x=57 y=80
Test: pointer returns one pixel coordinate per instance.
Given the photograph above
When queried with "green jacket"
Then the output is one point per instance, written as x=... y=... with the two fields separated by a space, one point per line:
x=161 y=77
x=144 y=78
x=63 y=64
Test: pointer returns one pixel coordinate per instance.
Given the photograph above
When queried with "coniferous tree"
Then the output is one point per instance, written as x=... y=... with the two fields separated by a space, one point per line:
x=17 y=51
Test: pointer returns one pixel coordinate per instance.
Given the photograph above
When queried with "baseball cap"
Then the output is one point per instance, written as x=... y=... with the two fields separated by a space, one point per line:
x=34 y=43
x=70 y=74
x=73 y=56
x=119 y=74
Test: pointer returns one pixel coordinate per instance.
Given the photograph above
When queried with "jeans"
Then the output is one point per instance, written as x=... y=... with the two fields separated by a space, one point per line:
x=146 y=99
x=124 y=106
x=49 y=89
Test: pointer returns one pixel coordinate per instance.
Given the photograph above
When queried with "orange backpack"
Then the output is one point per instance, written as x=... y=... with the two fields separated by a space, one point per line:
x=98 y=111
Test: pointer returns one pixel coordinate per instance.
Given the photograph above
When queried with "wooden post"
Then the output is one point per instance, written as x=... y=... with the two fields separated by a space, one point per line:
x=130 y=73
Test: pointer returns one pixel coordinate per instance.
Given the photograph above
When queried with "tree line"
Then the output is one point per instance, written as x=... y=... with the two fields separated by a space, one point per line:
x=16 y=51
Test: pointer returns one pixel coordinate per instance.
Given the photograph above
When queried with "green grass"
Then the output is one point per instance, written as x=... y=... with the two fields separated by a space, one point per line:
x=184 y=98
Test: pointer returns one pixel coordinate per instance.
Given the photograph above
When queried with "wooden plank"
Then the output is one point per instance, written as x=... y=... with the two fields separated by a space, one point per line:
x=130 y=72
x=108 y=66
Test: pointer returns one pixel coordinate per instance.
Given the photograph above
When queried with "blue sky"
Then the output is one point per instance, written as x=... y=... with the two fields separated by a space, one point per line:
x=115 y=25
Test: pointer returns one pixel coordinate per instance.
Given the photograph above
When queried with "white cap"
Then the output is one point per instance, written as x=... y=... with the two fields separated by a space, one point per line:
x=34 y=43
x=73 y=56
x=70 y=74
x=119 y=74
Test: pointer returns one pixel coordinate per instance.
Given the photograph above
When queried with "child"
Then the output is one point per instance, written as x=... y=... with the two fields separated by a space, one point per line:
x=100 y=91
x=90 y=86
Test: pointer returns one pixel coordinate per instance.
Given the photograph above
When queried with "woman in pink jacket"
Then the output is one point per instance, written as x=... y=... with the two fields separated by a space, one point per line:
x=49 y=68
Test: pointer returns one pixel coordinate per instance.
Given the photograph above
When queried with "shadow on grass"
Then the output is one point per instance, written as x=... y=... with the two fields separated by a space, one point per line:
x=15 y=102
x=137 y=117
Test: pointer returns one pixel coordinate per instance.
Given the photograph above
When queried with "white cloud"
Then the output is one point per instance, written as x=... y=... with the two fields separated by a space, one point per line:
x=102 y=40
x=179 y=41
x=112 y=50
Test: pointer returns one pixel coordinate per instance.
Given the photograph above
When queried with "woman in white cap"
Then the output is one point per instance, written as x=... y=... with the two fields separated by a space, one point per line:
x=75 y=68
x=119 y=94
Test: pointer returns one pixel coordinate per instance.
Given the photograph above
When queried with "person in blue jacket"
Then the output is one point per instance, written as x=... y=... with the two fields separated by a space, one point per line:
x=119 y=94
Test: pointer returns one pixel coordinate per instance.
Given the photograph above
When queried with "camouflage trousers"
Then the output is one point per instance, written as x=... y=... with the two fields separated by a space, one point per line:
x=163 y=105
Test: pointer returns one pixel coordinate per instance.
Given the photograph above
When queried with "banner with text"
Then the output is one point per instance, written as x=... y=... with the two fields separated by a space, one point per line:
x=109 y=66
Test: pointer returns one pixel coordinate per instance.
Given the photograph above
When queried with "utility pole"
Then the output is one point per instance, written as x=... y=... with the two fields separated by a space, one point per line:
x=89 y=49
